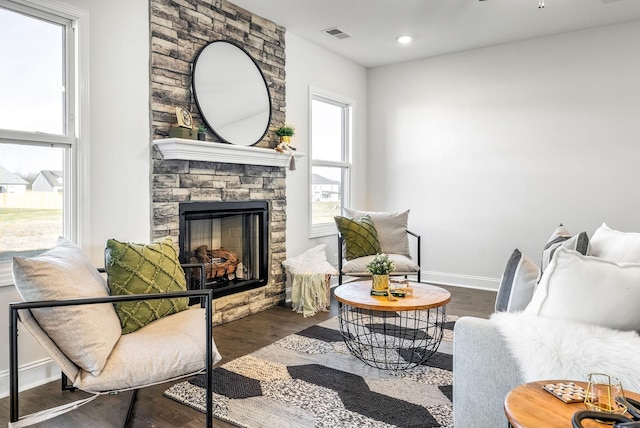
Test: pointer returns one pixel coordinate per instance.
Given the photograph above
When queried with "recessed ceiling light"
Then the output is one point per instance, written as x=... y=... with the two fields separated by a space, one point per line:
x=403 y=40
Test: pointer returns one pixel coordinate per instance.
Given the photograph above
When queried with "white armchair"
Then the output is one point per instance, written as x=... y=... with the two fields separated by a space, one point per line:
x=68 y=310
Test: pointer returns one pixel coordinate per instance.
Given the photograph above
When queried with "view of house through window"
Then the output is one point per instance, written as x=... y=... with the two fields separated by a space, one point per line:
x=330 y=135
x=36 y=130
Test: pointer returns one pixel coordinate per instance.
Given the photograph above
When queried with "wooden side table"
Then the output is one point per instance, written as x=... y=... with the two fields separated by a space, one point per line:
x=391 y=334
x=530 y=406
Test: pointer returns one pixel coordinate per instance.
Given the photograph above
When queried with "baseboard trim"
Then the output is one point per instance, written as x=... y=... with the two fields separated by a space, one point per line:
x=31 y=375
x=459 y=280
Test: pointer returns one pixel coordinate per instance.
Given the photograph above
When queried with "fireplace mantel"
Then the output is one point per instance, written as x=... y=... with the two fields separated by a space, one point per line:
x=184 y=149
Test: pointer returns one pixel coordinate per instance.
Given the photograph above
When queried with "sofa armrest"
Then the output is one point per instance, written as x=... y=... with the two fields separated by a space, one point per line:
x=484 y=371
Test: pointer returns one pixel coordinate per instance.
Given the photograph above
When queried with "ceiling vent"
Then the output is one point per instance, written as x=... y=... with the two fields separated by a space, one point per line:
x=337 y=33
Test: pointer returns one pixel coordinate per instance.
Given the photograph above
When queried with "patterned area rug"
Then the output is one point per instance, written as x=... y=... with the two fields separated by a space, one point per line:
x=310 y=379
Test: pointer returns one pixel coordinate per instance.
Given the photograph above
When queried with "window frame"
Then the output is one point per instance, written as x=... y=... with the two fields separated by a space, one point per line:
x=348 y=108
x=76 y=116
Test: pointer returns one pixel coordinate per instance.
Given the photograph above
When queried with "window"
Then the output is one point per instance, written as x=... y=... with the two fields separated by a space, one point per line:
x=330 y=164
x=38 y=145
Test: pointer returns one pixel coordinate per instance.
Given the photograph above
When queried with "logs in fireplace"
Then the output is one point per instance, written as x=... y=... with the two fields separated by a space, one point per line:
x=220 y=263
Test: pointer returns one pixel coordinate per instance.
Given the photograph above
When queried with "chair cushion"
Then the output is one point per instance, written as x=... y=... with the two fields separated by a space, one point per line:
x=520 y=278
x=360 y=236
x=391 y=227
x=616 y=246
x=589 y=289
x=144 y=357
x=562 y=238
x=144 y=268
x=86 y=335
x=358 y=267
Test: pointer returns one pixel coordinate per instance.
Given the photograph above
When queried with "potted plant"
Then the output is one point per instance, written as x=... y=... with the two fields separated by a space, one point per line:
x=285 y=132
x=202 y=133
x=380 y=267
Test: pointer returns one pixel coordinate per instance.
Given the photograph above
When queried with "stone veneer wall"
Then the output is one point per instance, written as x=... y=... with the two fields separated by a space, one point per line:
x=179 y=29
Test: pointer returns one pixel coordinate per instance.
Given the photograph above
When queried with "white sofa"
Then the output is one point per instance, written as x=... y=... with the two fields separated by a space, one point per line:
x=581 y=315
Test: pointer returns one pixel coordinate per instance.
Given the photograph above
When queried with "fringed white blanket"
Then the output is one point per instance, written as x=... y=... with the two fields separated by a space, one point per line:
x=310 y=293
x=547 y=348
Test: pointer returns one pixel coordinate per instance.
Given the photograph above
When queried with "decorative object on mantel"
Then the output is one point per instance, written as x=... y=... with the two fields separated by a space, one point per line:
x=285 y=132
x=185 y=125
x=286 y=148
x=202 y=133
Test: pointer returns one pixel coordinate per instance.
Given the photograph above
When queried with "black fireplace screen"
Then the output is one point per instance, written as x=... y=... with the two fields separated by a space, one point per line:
x=230 y=239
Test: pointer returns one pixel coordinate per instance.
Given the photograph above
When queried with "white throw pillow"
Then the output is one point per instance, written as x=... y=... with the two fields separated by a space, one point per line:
x=314 y=260
x=521 y=275
x=589 y=289
x=85 y=334
x=616 y=246
x=391 y=228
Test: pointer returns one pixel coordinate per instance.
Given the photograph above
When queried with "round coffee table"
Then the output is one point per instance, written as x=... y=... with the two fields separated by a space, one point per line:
x=392 y=334
x=529 y=406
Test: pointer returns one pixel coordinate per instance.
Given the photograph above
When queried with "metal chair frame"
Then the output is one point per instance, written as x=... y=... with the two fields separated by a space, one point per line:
x=340 y=255
x=206 y=301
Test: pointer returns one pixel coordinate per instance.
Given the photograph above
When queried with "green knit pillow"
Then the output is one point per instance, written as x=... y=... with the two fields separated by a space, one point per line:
x=360 y=236
x=144 y=268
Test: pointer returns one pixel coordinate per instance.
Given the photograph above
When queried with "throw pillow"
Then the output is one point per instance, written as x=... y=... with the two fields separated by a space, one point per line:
x=616 y=246
x=141 y=269
x=562 y=238
x=391 y=227
x=314 y=260
x=360 y=236
x=85 y=334
x=589 y=289
x=521 y=275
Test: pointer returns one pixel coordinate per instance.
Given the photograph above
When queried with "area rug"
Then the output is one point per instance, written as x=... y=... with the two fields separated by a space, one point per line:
x=310 y=379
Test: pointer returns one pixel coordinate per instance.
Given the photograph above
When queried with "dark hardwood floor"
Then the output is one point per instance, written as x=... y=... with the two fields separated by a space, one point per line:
x=234 y=340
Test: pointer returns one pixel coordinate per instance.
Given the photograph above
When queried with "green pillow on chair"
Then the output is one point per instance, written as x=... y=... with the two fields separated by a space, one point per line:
x=360 y=236
x=144 y=268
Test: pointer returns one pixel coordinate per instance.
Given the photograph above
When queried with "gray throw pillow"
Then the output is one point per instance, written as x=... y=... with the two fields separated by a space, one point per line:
x=562 y=238
x=521 y=275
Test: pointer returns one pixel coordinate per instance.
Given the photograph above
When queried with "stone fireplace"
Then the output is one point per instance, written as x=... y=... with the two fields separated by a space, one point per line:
x=178 y=184
x=187 y=171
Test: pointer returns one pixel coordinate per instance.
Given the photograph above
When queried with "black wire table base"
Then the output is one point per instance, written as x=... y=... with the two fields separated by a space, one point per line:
x=392 y=340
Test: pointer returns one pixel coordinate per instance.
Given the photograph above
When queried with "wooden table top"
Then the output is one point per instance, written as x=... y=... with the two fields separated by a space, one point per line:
x=529 y=406
x=358 y=294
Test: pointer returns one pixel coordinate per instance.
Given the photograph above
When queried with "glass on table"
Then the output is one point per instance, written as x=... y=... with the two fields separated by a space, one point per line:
x=605 y=394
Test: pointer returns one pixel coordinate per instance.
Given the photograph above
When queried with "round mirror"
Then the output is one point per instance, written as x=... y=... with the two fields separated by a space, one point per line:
x=231 y=93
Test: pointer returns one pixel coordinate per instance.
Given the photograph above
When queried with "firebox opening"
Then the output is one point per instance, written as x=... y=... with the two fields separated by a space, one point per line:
x=230 y=239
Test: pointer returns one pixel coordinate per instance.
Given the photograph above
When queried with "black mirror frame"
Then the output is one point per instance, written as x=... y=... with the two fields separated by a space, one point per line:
x=195 y=93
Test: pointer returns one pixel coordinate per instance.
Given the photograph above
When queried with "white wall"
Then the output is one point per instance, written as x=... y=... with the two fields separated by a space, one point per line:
x=309 y=65
x=118 y=199
x=493 y=148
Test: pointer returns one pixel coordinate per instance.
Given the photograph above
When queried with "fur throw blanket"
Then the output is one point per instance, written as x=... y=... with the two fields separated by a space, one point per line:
x=548 y=348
